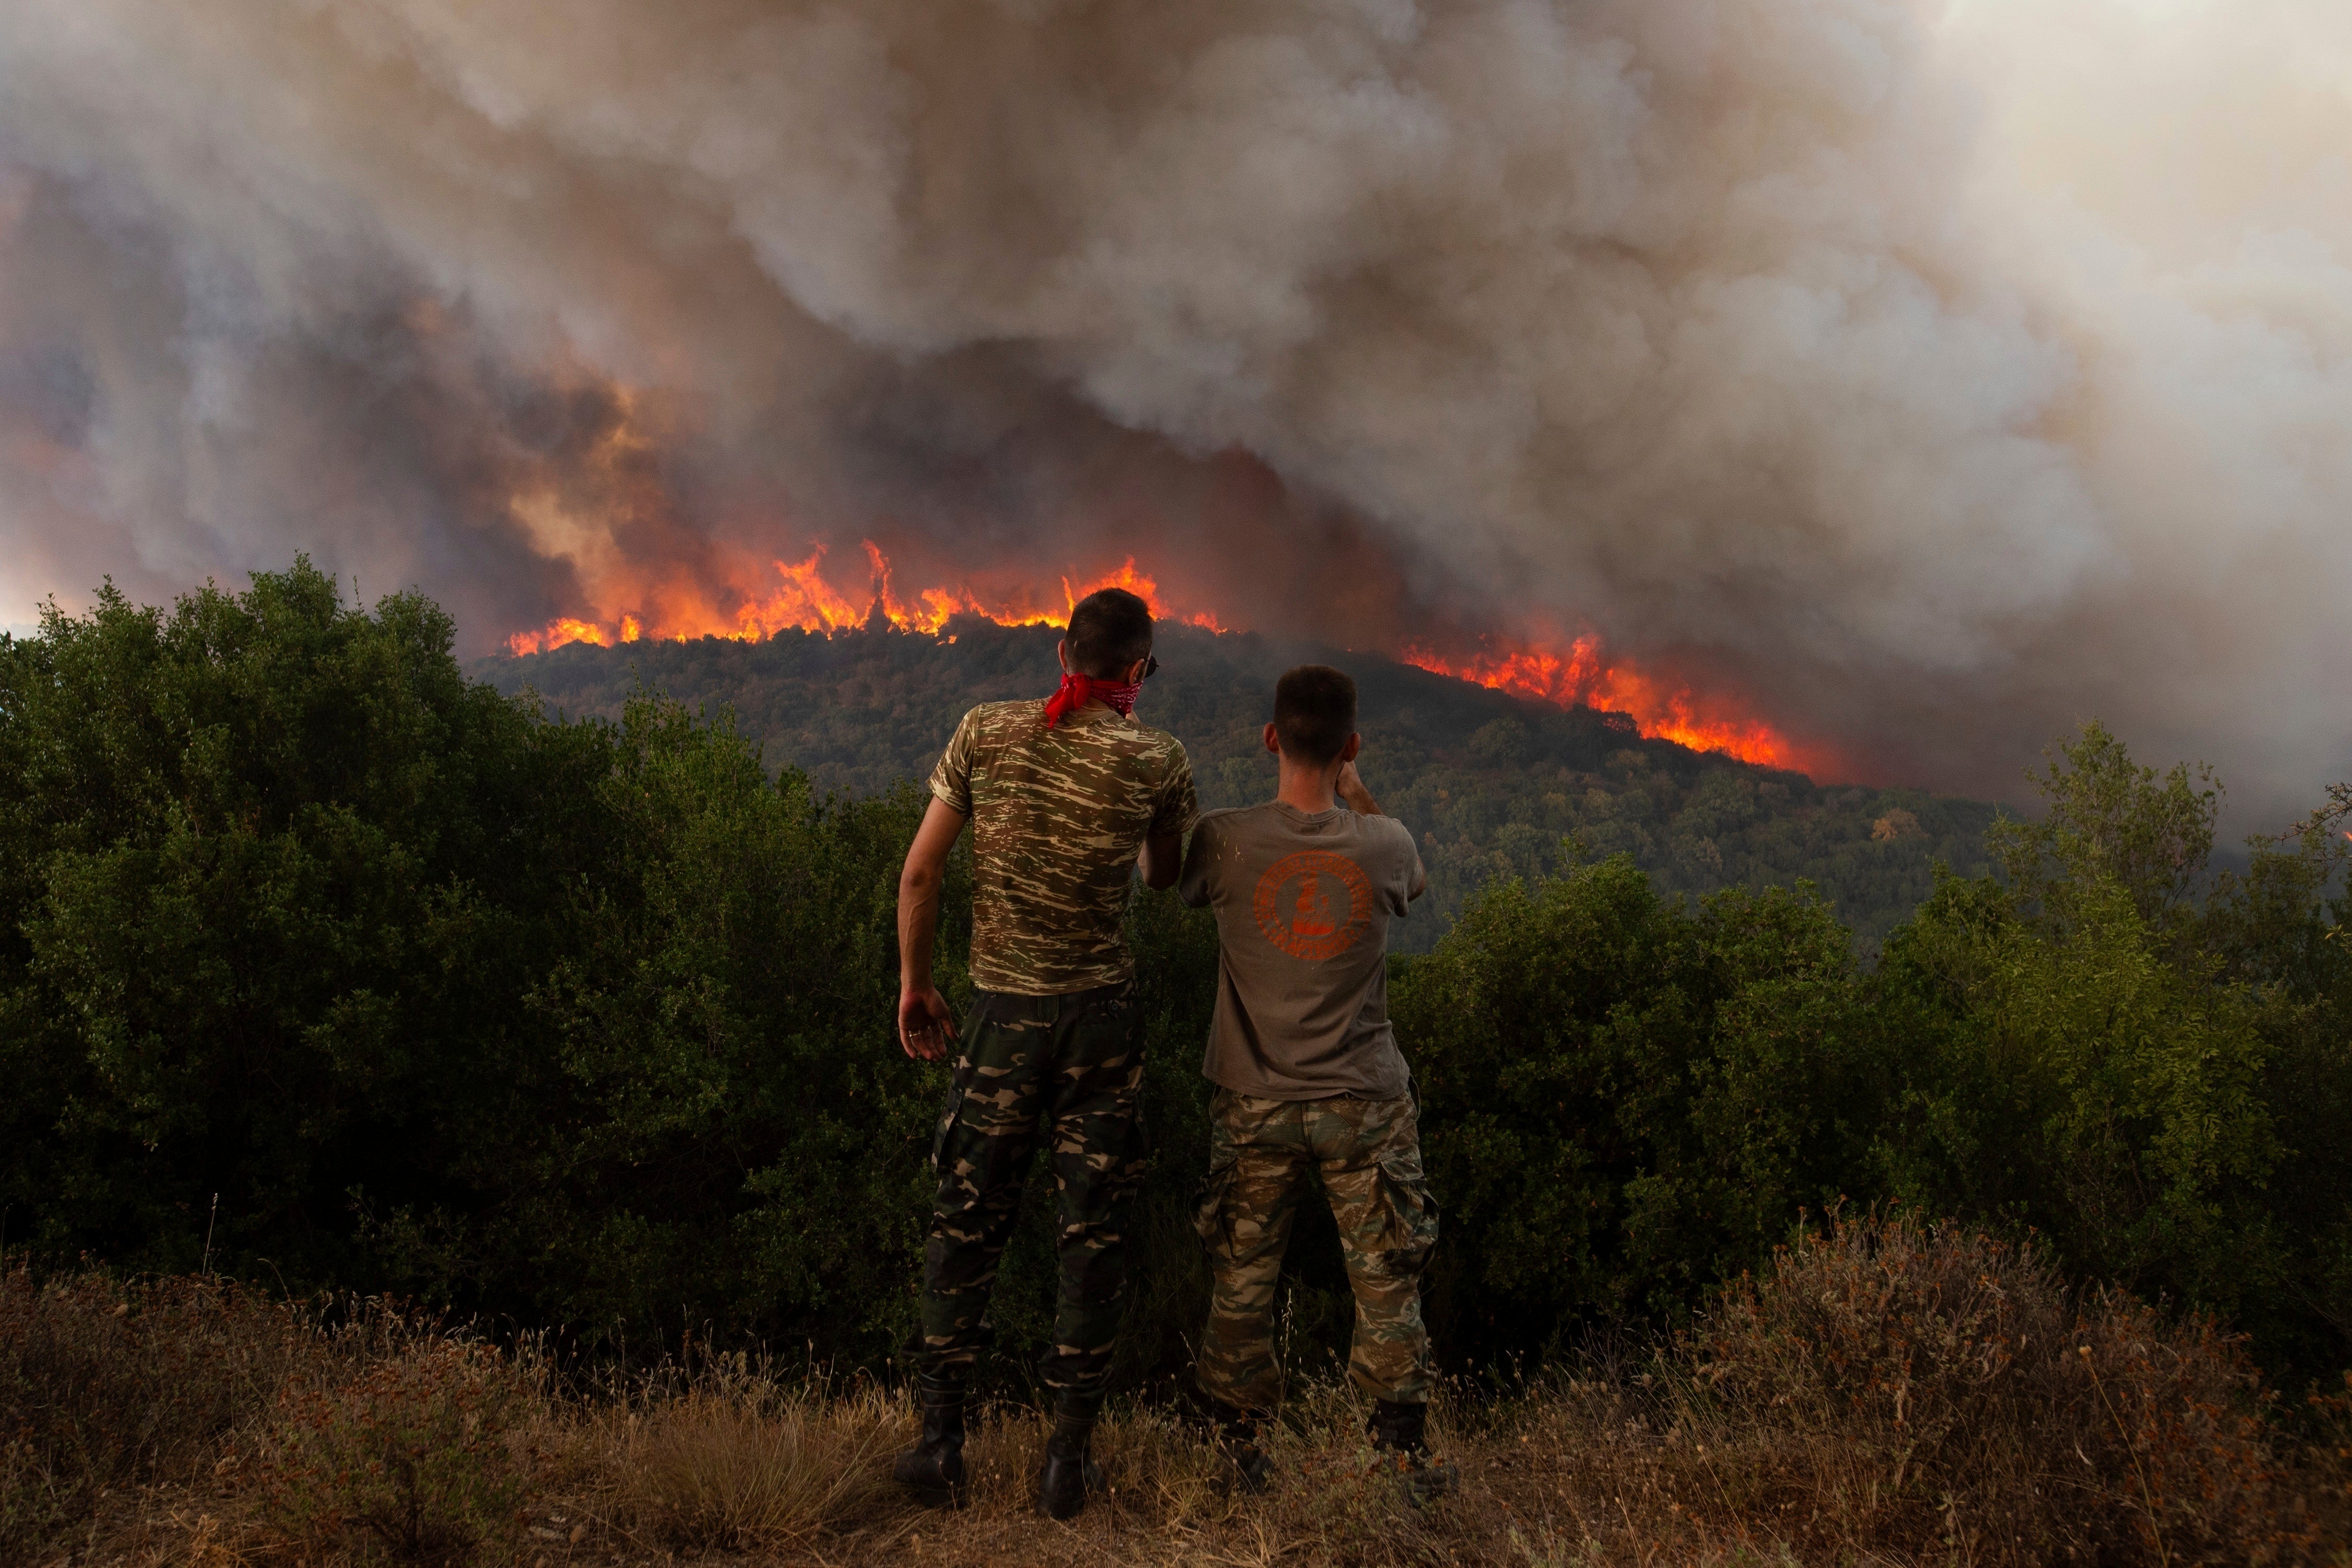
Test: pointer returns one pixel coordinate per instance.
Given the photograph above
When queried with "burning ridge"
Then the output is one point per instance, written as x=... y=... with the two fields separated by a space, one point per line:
x=1572 y=672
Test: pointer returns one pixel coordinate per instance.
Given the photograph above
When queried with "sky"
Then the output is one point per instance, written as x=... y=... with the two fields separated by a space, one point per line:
x=1926 y=378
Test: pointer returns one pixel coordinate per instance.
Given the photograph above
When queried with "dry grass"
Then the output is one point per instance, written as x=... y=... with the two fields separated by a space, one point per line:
x=737 y=1461
x=1885 y=1395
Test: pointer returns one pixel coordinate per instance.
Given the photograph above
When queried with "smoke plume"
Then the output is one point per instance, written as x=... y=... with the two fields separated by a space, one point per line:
x=1932 y=377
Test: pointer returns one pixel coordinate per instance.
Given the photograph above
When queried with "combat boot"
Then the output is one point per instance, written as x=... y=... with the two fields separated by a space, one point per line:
x=1237 y=1439
x=934 y=1467
x=1069 y=1475
x=1400 y=1441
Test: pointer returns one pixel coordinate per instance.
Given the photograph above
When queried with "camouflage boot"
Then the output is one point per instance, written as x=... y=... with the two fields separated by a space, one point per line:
x=1237 y=1439
x=1399 y=1441
x=1069 y=1475
x=934 y=1467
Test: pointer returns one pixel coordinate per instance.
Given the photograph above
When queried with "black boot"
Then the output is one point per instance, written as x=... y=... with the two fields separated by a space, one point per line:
x=1237 y=1438
x=934 y=1467
x=1069 y=1475
x=1398 y=1438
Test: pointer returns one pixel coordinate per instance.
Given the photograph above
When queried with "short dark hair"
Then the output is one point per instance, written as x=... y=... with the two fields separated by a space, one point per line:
x=1111 y=628
x=1313 y=712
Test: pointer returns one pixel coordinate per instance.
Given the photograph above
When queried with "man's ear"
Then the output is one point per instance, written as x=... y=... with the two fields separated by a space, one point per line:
x=1274 y=740
x=1347 y=752
x=1062 y=652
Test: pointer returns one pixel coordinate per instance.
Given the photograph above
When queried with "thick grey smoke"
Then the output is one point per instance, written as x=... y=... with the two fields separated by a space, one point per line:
x=1935 y=379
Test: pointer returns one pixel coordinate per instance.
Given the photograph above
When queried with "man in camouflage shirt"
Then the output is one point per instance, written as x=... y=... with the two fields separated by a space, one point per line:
x=1309 y=1080
x=1066 y=798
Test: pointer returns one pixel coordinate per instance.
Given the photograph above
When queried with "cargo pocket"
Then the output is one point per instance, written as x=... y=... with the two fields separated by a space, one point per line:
x=967 y=1056
x=1136 y=1151
x=947 y=1123
x=1209 y=1208
x=1410 y=1232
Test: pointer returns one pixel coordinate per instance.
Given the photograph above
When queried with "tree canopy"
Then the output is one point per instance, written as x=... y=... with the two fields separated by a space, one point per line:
x=324 y=962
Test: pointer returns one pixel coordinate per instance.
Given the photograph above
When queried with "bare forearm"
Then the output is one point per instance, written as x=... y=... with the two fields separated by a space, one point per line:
x=1349 y=786
x=918 y=925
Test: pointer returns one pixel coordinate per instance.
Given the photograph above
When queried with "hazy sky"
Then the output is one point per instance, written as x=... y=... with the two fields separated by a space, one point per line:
x=1932 y=376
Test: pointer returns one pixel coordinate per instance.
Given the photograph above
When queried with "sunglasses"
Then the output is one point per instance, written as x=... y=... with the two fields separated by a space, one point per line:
x=1150 y=665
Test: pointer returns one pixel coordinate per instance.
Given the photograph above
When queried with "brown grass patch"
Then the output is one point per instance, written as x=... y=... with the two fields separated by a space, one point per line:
x=737 y=1461
x=1886 y=1394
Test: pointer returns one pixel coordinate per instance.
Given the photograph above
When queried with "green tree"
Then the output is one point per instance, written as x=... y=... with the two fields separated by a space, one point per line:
x=246 y=925
x=588 y=1021
x=1624 y=1101
x=2080 y=1085
x=2145 y=1063
x=2109 y=821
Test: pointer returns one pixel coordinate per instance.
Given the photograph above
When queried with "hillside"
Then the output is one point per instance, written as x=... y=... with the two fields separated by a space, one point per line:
x=1491 y=784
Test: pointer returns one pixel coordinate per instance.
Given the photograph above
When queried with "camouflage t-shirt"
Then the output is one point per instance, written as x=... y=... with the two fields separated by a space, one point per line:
x=1058 y=818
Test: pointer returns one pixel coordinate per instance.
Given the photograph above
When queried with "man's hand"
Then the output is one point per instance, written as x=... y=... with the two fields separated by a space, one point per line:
x=926 y=1027
x=1351 y=789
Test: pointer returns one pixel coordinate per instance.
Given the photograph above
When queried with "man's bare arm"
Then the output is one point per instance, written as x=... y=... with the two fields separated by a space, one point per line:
x=1162 y=860
x=925 y=1024
x=1359 y=799
x=1351 y=789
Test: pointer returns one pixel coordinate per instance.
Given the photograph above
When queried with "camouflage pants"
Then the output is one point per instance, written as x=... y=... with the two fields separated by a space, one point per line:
x=1262 y=1153
x=1076 y=1061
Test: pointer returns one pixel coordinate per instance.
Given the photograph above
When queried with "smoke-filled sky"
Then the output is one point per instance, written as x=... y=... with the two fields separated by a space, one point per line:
x=1932 y=378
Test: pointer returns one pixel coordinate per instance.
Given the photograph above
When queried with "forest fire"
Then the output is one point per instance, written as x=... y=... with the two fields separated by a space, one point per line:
x=1662 y=710
x=806 y=601
x=803 y=599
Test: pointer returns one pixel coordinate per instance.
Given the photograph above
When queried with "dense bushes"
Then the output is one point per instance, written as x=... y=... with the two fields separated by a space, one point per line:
x=1626 y=1097
x=589 y=1023
x=580 y=1021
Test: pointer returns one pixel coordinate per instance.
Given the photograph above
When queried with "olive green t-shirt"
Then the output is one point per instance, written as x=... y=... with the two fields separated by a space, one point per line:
x=1303 y=904
x=1058 y=818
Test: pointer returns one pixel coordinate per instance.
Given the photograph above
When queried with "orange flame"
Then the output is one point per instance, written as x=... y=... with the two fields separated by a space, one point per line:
x=801 y=598
x=1661 y=709
x=559 y=631
x=806 y=601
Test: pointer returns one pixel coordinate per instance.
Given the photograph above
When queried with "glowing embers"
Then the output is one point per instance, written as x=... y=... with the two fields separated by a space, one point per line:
x=1663 y=709
x=799 y=597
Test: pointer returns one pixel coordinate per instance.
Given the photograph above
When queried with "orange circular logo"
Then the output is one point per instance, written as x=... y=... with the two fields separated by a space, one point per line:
x=1314 y=905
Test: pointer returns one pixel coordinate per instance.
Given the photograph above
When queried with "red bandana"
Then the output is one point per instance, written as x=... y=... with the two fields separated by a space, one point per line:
x=1077 y=690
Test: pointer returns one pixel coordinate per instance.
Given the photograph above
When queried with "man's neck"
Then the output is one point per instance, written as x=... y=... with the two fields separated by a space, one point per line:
x=1307 y=789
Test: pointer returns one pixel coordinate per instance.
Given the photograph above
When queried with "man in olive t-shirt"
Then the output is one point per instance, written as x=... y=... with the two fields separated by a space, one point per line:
x=1303 y=900
x=1066 y=799
x=1309 y=1077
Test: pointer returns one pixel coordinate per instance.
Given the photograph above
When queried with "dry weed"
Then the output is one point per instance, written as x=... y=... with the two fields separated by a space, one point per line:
x=739 y=1463
x=1885 y=1395
x=1916 y=1389
x=406 y=1453
x=108 y=1388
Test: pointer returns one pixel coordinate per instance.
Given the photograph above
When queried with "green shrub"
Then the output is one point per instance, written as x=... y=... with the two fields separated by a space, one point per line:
x=319 y=958
x=1620 y=1098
